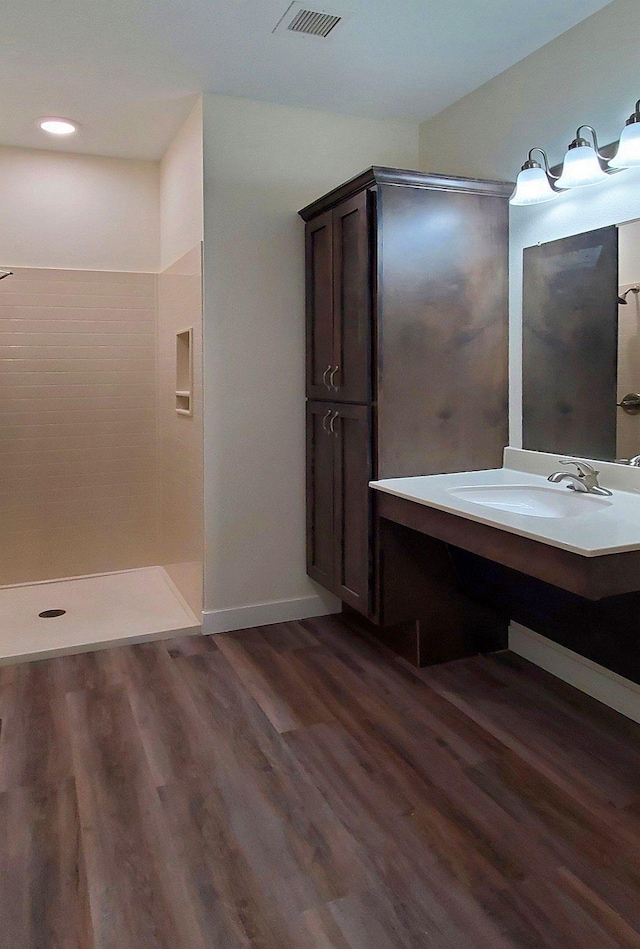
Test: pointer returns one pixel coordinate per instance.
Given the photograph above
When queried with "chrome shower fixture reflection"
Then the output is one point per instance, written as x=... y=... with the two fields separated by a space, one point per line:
x=622 y=298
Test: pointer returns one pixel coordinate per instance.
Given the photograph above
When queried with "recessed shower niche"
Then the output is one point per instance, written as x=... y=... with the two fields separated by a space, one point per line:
x=184 y=371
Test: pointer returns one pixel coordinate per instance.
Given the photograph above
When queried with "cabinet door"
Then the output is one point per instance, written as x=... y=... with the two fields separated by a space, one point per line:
x=352 y=514
x=352 y=300
x=319 y=308
x=320 y=494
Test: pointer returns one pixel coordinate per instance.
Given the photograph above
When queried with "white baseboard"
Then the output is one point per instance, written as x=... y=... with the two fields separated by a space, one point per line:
x=607 y=687
x=263 y=614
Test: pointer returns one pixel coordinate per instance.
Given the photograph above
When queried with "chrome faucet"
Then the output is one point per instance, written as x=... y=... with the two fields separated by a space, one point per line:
x=585 y=481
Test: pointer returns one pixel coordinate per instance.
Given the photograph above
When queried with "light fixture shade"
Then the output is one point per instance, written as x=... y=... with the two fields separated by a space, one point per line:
x=628 y=154
x=581 y=167
x=532 y=187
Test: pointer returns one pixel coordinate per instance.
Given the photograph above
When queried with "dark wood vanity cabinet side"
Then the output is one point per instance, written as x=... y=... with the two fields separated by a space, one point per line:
x=339 y=518
x=442 y=356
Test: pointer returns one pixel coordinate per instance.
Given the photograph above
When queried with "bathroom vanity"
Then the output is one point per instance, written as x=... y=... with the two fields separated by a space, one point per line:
x=584 y=543
x=518 y=548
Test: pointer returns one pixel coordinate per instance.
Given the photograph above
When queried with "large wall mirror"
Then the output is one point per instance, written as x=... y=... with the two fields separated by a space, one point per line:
x=581 y=344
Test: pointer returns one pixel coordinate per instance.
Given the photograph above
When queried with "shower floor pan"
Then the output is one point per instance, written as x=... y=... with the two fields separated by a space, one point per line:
x=109 y=609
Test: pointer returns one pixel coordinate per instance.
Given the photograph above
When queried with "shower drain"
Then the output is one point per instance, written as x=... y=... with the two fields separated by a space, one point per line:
x=48 y=614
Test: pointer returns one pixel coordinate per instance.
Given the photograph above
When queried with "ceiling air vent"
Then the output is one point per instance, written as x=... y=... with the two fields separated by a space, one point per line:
x=299 y=19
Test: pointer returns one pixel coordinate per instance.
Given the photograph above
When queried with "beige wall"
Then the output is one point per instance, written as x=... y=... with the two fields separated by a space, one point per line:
x=181 y=436
x=77 y=423
x=181 y=199
x=78 y=212
x=262 y=163
x=589 y=74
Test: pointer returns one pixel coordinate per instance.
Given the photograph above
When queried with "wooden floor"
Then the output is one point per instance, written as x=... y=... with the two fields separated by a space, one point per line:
x=293 y=786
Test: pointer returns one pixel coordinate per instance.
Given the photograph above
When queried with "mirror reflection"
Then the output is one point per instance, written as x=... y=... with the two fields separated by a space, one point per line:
x=581 y=345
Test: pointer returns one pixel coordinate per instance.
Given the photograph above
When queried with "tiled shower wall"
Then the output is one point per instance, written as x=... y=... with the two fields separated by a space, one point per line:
x=181 y=436
x=78 y=428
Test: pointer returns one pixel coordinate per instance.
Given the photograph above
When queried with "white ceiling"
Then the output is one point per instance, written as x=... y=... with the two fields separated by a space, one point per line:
x=127 y=69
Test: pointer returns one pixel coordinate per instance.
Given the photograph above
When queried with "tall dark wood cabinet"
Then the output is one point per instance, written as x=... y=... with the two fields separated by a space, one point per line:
x=407 y=278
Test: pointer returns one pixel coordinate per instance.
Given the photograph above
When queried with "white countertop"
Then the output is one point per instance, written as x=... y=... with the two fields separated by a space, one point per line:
x=599 y=530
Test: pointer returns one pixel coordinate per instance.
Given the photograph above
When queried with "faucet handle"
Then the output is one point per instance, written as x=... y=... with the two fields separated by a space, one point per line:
x=584 y=469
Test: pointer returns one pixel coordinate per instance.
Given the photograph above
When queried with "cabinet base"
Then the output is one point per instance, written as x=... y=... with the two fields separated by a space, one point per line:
x=425 y=614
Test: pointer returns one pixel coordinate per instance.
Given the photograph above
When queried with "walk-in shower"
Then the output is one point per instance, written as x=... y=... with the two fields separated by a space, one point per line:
x=101 y=479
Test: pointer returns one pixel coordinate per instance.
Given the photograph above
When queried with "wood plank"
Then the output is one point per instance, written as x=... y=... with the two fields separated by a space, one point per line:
x=250 y=751
x=34 y=743
x=135 y=893
x=274 y=683
x=43 y=885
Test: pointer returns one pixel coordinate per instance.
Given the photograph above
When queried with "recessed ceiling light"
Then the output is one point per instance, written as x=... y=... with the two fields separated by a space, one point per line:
x=58 y=126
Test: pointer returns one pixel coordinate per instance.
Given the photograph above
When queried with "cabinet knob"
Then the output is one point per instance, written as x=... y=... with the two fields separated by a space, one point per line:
x=331 y=382
x=324 y=378
x=325 y=420
x=331 y=421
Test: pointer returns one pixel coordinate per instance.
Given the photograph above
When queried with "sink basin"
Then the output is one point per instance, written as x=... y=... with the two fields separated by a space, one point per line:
x=531 y=500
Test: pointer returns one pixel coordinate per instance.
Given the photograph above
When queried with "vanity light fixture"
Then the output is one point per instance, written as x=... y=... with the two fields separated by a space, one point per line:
x=628 y=154
x=535 y=184
x=582 y=163
x=56 y=126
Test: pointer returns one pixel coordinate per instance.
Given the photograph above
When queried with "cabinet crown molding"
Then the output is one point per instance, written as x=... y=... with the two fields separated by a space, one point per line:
x=377 y=175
